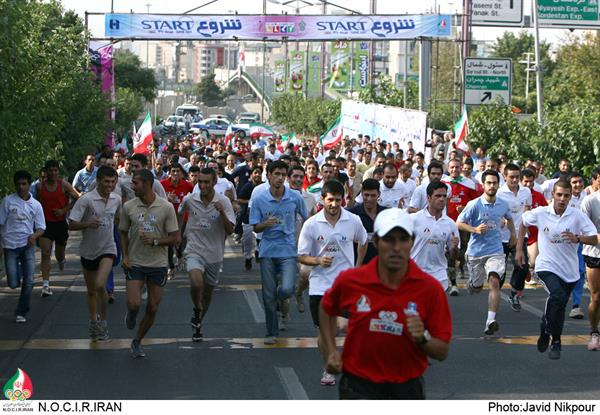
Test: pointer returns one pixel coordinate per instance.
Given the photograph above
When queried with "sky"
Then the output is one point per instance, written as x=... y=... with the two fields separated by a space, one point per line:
x=553 y=36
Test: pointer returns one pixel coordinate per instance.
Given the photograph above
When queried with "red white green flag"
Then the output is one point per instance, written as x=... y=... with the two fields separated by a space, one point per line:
x=460 y=131
x=259 y=130
x=333 y=135
x=143 y=138
x=228 y=135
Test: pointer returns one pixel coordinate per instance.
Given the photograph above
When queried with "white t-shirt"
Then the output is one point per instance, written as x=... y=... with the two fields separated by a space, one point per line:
x=391 y=197
x=19 y=219
x=590 y=206
x=548 y=187
x=556 y=254
x=517 y=205
x=432 y=238
x=318 y=238
x=419 y=197
x=220 y=187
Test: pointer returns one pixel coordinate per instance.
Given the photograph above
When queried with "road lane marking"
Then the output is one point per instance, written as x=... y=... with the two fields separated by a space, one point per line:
x=255 y=307
x=292 y=385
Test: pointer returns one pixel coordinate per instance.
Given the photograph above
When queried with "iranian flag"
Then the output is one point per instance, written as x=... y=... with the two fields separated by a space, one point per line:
x=258 y=130
x=332 y=136
x=228 y=135
x=460 y=131
x=289 y=139
x=143 y=138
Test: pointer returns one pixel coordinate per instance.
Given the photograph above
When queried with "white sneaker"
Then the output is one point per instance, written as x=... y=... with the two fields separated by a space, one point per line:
x=576 y=313
x=144 y=293
x=20 y=319
x=46 y=292
x=453 y=291
x=327 y=379
x=270 y=340
x=594 y=343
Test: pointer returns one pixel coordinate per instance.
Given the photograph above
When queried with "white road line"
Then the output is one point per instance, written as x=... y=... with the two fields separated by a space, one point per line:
x=293 y=388
x=533 y=310
x=255 y=307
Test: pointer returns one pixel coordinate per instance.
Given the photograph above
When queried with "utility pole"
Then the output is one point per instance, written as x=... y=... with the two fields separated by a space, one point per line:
x=538 y=64
x=147 y=42
x=262 y=101
x=323 y=46
x=528 y=69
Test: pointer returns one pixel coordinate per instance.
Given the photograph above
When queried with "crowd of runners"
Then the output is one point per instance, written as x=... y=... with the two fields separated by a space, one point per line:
x=349 y=224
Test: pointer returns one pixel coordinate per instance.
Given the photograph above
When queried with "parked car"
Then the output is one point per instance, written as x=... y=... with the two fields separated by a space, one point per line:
x=174 y=121
x=250 y=115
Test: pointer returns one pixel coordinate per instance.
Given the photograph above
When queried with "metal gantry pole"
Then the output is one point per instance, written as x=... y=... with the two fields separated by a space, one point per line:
x=538 y=65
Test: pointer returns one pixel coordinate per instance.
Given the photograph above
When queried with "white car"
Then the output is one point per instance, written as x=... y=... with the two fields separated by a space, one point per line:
x=174 y=121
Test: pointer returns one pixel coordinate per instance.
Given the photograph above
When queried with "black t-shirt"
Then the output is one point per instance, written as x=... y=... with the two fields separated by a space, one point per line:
x=244 y=193
x=367 y=222
x=243 y=174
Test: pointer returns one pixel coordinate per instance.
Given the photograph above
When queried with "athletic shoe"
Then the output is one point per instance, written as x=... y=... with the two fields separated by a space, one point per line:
x=248 y=264
x=111 y=298
x=20 y=319
x=544 y=339
x=515 y=304
x=102 y=331
x=576 y=313
x=300 y=303
x=61 y=264
x=130 y=318
x=196 y=326
x=46 y=292
x=270 y=340
x=137 y=350
x=453 y=291
x=491 y=327
x=327 y=379
x=170 y=274
x=93 y=330
x=144 y=293
x=594 y=343
x=554 y=352
x=283 y=322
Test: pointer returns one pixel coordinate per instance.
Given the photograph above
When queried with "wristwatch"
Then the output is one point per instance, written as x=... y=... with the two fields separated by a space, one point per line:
x=426 y=337
x=155 y=242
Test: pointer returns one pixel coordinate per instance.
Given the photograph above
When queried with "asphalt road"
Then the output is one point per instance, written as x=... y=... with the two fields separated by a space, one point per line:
x=232 y=362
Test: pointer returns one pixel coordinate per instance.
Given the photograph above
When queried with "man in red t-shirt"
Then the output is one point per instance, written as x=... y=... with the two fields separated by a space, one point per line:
x=537 y=199
x=176 y=188
x=463 y=191
x=398 y=317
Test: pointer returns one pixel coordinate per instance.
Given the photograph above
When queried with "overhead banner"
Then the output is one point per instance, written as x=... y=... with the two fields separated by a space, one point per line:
x=297 y=69
x=313 y=81
x=277 y=27
x=361 y=76
x=339 y=70
x=279 y=75
x=392 y=124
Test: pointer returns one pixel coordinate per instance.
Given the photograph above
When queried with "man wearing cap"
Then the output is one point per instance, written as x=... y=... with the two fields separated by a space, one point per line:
x=398 y=318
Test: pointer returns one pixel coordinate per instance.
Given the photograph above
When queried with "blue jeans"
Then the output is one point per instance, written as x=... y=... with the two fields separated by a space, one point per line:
x=578 y=290
x=20 y=268
x=287 y=270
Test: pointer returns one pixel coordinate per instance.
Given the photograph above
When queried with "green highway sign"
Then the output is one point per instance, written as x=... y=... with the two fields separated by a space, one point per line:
x=581 y=14
x=487 y=79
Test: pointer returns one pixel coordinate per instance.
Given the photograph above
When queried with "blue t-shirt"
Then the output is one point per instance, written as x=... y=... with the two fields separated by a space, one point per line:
x=278 y=241
x=480 y=211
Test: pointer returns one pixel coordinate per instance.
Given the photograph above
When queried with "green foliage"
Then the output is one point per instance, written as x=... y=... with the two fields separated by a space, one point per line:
x=567 y=132
x=577 y=73
x=209 y=92
x=310 y=116
x=515 y=47
x=49 y=108
x=129 y=106
x=386 y=93
x=130 y=74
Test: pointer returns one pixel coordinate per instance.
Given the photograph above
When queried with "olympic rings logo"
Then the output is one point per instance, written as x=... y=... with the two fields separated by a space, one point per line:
x=17 y=395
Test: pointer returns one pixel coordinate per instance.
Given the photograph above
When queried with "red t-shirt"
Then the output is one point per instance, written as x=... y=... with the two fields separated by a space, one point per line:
x=537 y=199
x=463 y=191
x=378 y=346
x=183 y=188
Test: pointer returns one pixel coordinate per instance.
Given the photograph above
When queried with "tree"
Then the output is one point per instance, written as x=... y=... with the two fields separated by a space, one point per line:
x=304 y=116
x=49 y=106
x=577 y=73
x=515 y=48
x=130 y=74
x=209 y=92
